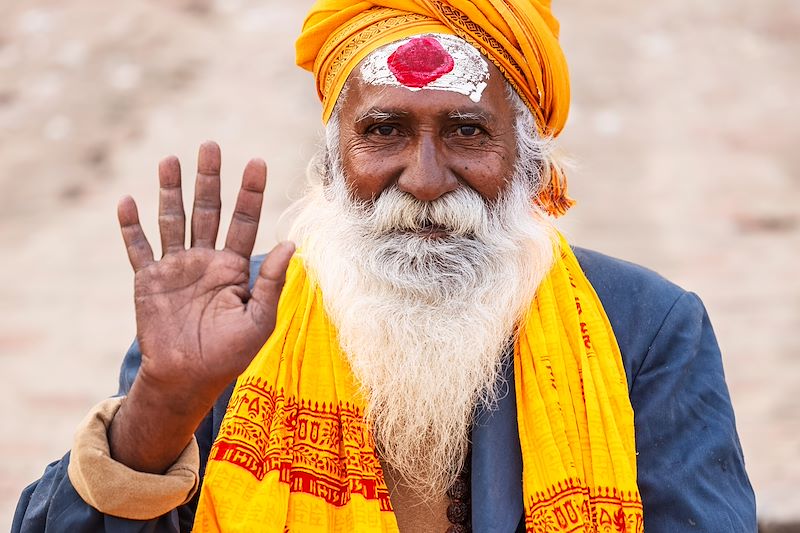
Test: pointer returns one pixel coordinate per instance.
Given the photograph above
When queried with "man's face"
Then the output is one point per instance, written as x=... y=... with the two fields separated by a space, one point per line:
x=428 y=143
x=423 y=236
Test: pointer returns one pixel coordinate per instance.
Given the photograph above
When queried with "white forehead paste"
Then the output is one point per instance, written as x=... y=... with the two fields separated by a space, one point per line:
x=469 y=75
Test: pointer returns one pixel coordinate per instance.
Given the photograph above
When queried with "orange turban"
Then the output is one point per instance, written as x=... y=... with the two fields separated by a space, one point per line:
x=519 y=36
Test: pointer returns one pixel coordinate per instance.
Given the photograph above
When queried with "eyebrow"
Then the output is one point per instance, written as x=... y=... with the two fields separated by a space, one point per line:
x=468 y=116
x=378 y=114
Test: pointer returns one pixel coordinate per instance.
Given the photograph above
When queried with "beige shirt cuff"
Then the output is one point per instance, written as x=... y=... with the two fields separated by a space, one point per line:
x=114 y=489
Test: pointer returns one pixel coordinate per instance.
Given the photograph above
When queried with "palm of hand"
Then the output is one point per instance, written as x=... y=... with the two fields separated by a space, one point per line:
x=198 y=324
x=191 y=311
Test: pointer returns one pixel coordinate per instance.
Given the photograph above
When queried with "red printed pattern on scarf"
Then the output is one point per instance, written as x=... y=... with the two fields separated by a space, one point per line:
x=323 y=450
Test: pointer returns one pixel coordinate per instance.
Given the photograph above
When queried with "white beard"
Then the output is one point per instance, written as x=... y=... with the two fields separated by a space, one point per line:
x=424 y=322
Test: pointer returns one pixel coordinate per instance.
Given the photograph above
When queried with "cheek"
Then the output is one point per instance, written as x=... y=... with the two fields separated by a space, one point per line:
x=488 y=175
x=367 y=175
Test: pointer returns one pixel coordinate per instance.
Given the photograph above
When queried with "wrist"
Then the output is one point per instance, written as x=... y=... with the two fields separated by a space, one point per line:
x=154 y=424
x=171 y=399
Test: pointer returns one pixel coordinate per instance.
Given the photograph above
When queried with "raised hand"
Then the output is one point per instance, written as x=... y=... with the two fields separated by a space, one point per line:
x=198 y=325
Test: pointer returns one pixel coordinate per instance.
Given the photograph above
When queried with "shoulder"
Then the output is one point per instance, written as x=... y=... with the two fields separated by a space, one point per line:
x=684 y=422
x=636 y=300
x=621 y=282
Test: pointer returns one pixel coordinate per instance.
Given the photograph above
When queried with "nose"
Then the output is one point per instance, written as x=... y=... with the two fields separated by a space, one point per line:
x=426 y=176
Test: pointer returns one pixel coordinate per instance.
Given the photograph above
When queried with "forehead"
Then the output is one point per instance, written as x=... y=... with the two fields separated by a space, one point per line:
x=425 y=74
x=431 y=62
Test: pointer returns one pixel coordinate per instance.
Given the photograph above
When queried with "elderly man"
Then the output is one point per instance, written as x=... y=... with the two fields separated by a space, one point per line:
x=435 y=357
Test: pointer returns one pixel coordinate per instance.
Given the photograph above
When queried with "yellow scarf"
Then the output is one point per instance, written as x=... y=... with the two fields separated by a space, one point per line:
x=294 y=453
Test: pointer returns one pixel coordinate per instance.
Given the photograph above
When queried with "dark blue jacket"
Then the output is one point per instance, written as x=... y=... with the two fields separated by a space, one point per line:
x=690 y=463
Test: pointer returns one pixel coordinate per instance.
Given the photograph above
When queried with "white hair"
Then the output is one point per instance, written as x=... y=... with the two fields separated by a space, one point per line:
x=425 y=322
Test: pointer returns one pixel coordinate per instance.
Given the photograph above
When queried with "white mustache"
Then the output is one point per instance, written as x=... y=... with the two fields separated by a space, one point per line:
x=461 y=213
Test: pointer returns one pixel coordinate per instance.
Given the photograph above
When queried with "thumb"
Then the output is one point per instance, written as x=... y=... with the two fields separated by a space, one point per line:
x=267 y=289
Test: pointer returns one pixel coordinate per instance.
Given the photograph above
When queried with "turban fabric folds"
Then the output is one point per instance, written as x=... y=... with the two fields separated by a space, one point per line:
x=519 y=36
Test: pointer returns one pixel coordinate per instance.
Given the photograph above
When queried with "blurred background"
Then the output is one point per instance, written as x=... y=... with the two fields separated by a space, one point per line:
x=684 y=132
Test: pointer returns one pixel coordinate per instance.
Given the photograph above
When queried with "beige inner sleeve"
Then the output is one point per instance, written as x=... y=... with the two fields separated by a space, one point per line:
x=114 y=489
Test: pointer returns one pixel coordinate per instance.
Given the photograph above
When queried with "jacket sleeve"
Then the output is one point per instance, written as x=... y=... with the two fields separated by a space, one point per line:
x=52 y=504
x=690 y=462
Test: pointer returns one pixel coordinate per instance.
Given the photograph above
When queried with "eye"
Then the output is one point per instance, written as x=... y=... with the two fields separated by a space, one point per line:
x=384 y=130
x=468 y=131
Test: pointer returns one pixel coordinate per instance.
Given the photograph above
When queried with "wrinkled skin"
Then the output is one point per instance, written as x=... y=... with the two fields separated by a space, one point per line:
x=197 y=323
x=427 y=143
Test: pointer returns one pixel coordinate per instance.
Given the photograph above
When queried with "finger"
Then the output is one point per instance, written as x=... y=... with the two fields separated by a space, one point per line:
x=171 y=216
x=205 y=212
x=139 y=252
x=267 y=288
x=244 y=222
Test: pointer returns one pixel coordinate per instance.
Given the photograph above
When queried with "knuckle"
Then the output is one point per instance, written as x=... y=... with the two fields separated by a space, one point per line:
x=206 y=204
x=172 y=216
x=245 y=218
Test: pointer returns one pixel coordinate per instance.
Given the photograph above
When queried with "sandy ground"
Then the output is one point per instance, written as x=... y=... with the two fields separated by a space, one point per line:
x=683 y=130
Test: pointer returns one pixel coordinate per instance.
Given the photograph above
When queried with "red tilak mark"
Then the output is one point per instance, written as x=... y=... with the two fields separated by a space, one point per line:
x=420 y=61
